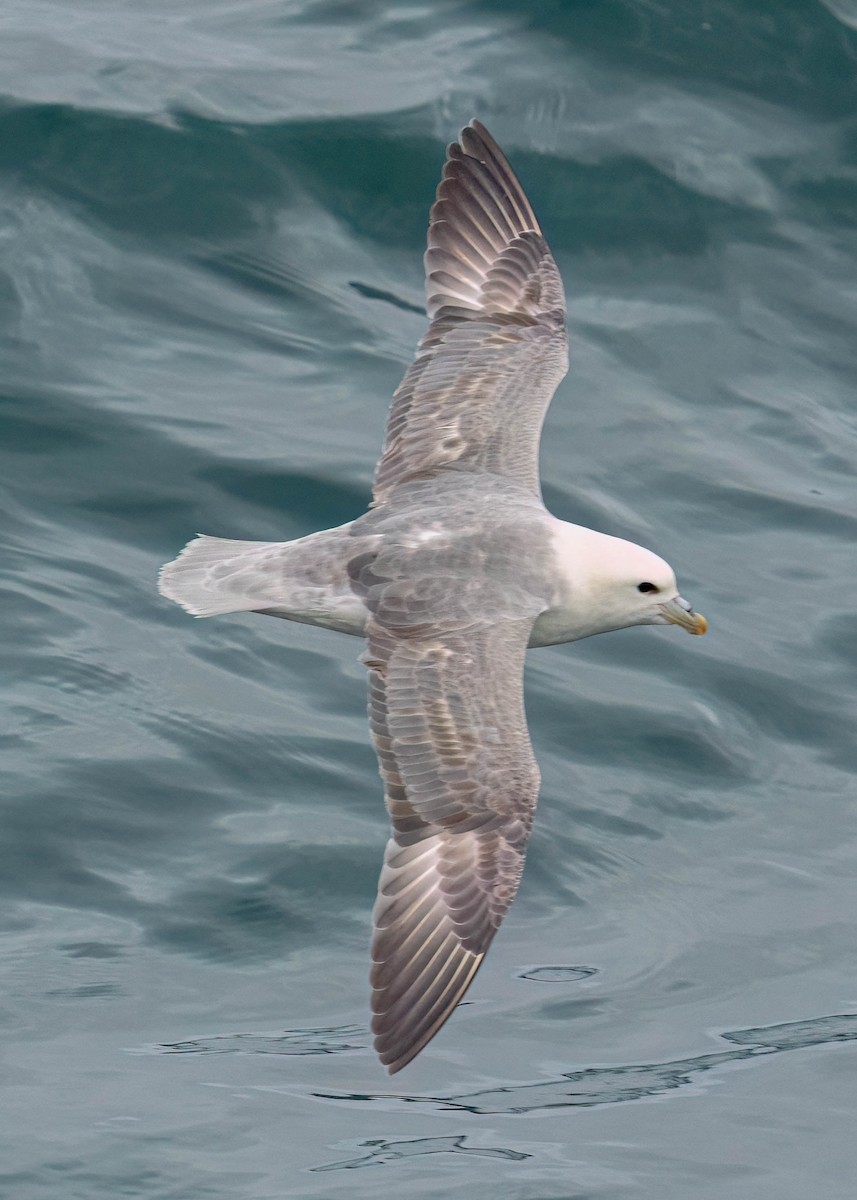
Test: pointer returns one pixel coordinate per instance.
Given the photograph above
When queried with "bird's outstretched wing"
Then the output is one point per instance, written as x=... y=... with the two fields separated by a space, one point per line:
x=446 y=711
x=484 y=374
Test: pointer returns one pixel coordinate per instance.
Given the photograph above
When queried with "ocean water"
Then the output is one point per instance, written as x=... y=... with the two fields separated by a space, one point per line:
x=212 y=219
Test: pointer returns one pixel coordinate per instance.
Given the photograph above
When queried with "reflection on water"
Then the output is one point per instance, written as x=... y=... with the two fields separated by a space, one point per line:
x=614 y=1085
x=387 y=1152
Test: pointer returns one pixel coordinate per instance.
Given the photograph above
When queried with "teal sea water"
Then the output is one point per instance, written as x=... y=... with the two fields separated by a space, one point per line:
x=212 y=217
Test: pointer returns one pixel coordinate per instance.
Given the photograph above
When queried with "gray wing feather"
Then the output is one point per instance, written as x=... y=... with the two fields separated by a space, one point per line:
x=447 y=717
x=484 y=374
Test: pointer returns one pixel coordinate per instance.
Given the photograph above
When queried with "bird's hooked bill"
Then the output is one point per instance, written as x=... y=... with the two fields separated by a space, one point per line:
x=678 y=612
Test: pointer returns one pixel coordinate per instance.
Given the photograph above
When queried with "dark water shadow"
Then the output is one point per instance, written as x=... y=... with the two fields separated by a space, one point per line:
x=381 y=1152
x=373 y=293
x=616 y=1085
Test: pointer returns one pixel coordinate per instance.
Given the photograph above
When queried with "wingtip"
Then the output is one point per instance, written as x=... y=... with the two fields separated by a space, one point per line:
x=399 y=1042
x=474 y=125
x=393 y=1065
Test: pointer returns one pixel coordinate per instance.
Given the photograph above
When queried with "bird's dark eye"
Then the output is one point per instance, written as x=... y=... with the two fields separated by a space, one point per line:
x=646 y=587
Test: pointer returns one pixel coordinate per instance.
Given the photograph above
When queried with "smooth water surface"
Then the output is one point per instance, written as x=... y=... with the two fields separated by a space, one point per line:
x=213 y=216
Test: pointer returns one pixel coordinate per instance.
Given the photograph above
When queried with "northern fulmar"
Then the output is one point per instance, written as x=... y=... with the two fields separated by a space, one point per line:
x=456 y=569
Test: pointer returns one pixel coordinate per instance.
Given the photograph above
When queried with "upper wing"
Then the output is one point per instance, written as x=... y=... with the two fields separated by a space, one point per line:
x=484 y=374
x=447 y=717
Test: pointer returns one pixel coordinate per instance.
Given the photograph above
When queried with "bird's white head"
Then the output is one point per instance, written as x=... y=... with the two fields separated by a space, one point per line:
x=608 y=583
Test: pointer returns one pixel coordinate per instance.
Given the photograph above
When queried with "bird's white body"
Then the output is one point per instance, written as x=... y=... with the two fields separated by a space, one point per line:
x=595 y=577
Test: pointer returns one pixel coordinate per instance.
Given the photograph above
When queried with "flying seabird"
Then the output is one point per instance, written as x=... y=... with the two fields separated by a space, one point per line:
x=456 y=569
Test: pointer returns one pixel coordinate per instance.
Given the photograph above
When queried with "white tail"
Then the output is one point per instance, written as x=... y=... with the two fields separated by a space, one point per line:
x=217 y=575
